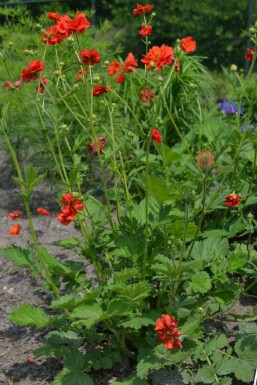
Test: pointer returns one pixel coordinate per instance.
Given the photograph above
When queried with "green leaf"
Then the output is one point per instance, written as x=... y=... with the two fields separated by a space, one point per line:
x=59 y=341
x=167 y=154
x=133 y=291
x=52 y=262
x=90 y=314
x=75 y=361
x=238 y=258
x=68 y=301
x=137 y=322
x=73 y=378
x=210 y=248
x=246 y=348
x=217 y=342
x=118 y=308
x=177 y=229
x=206 y=375
x=200 y=283
x=242 y=370
x=69 y=242
x=27 y=315
x=159 y=188
x=20 y=257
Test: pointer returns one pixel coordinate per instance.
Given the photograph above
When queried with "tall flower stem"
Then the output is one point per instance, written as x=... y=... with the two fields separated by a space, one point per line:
x=146 y=204
x=28 y=212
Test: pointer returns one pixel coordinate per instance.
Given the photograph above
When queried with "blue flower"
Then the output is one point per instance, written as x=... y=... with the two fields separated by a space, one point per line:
x=229 y=108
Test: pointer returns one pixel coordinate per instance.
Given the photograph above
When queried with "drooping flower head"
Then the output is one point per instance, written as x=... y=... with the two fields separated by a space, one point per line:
x=100 y=90
x=69 y=209
x=232 y=200
x=146 y=30
x=168 y=334
x=187 y=44
x=157 y=57
x=250 y=52
x=15 y=230
x=141 y=10
x=90 y=57
x=32 y=73
x=156 y=135
x=42 y=211
x=97 y=148
x=230 y=108
x=41 y=87
x=14 y=215
x=146 y=96
x=205 y=159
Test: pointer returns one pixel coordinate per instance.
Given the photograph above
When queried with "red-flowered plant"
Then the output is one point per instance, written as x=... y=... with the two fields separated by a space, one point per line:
x=159 y=259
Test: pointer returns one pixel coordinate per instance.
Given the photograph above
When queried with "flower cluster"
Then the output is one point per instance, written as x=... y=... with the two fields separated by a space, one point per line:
x=168 y=334
x=141 y=10
x=229 y=108
x=16 y=229
x=146 y=96
x=64 y=27
x=69 y=209
x=9 y=85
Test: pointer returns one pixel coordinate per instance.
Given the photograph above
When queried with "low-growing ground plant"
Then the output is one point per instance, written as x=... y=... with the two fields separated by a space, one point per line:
x=171 y=237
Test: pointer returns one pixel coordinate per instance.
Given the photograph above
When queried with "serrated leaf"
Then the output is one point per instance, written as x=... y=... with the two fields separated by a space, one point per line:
x=52 y=262
x=148 y=363
x=167 y=154
x=246 y=348
x=27 y=315
x=133 y=291
x=73 y=378
x=68 y=301
x=226 y=381
x=177 y=229
x=137 y=322
x=118 y=308
x=238 y=258
x=165 y=377
x=71 y=241
x=218 y=342
x=242 y=370
x=206 y=375
x=75 y=361
x=200 y=283
x=210 y=248
x=20 y=257
x=89 y=314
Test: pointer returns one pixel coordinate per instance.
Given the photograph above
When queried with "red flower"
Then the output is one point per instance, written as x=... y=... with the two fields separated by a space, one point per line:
x=129 y=65
x=97 y=149
x=90 y=57
x=15 y=230
x=14 y=215
x=250 y=54
x=156 y=136
x=7 y=84
x=188 y=44
x=146 y=96
x=146 y=30
x=158 y=57
x=79 y=73
x=35 y=67
x=79 y=24
x=232 y=200
x=64 y=27
x=113 y=67
x=41 y=87
x=30 y=360
x=142 y=9
x=168 y=334
x=100 y=90
x=42 y=211
x=69 y=209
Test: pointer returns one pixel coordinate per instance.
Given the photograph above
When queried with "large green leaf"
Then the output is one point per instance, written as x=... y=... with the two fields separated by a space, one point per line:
x=210 y=248
x=89 y=314
x=199 y=283
x=27 y=315
x=20 y=257
x=73 y=378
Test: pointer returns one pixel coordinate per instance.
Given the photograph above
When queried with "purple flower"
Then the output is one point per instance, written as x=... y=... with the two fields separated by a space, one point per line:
x=229 y=108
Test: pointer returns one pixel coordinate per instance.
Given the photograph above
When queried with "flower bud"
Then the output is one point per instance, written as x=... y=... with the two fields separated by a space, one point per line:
x=233 y=68
x=57 y=73
x=152 y=64
x=96 y=78
x=26 y=51
x=250 y=216
x=160 y=78
x=153 y=14
x=11 y=43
